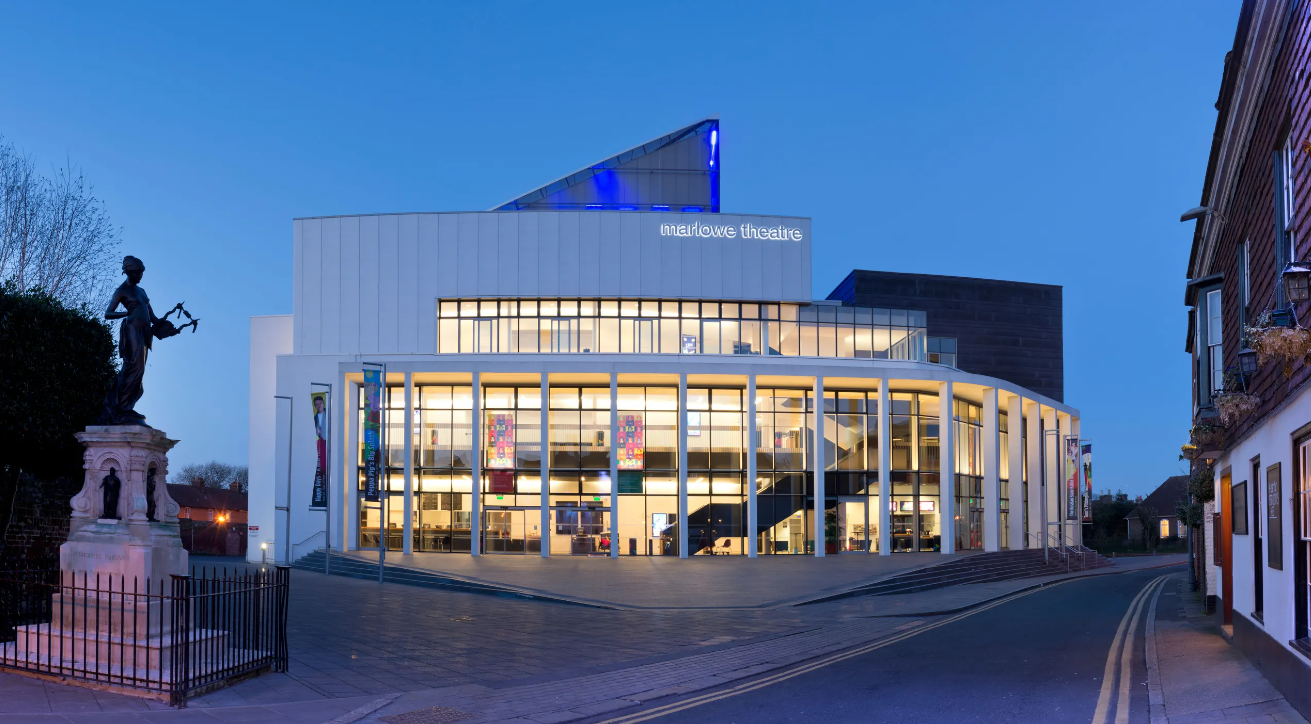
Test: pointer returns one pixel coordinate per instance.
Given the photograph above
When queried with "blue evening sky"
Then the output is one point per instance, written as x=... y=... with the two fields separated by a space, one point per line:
x=1046 y=142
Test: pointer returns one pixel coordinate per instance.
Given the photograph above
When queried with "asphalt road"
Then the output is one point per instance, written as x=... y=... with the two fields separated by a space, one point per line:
x=1038 y=658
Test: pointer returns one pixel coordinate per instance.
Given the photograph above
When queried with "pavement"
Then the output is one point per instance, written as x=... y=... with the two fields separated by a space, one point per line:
x=361 y=650
x=1199 y=676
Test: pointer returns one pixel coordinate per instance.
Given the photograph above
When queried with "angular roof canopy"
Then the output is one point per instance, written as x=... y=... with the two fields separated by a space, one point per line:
x=678 y=171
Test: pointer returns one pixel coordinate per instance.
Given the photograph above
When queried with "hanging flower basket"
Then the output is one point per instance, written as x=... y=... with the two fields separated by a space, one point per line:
x=1189 y=451
x=1272 y=341
x=1206 y=436
x=1234 y=406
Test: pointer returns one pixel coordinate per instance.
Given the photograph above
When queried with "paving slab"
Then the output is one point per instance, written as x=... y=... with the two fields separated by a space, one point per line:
x=1200 y=676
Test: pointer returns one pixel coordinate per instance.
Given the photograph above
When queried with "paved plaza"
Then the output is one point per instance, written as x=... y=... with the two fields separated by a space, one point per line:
x=357 y=644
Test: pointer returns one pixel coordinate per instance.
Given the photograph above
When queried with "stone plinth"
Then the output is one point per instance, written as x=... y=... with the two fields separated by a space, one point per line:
x=125 y=542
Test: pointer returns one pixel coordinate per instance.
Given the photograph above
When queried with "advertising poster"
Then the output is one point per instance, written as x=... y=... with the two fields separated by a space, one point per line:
x=319 y=404
x=500 y=441
x=1072 y=478
x=372 y=433
x=1087 y=483
x=632 y=441
x=500 y=481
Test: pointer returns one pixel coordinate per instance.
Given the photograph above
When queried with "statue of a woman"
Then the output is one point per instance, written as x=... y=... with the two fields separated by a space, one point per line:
x=111 y=485
x=133 y=346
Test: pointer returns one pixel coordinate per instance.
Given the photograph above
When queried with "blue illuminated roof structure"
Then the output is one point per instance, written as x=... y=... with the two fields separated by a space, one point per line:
x=679 y=170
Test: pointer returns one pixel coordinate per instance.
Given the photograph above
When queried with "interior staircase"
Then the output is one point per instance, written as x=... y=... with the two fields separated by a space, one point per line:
x=979 y=568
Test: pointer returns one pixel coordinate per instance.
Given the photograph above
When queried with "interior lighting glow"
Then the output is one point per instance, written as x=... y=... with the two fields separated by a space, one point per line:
x=714 y=142
x=593 y=206
x=659 y=207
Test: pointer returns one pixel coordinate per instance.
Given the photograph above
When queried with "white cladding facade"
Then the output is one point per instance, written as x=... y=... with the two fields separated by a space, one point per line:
x=368 y=289
x=369 y=284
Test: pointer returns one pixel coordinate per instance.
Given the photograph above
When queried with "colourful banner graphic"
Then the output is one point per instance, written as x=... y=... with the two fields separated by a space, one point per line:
x=1072 y=478
x=319 y=404
x=1087 y=483
x=372 y=433
x=631 y=445
x=500 y=441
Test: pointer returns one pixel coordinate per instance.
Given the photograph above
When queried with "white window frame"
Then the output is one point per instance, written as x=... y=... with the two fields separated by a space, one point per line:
x=1215 y=340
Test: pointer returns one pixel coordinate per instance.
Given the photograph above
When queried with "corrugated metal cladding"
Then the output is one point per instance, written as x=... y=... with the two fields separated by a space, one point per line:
x=391 y=269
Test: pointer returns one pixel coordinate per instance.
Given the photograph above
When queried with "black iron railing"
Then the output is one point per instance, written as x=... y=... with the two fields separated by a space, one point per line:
x=176 y=638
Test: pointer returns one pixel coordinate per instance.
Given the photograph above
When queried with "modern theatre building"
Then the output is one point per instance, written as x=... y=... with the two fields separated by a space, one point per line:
x=627 y=371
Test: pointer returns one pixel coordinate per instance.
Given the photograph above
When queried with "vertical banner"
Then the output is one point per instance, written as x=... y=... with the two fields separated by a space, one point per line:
x=319 y=404
x=372 y=432
x=500 y=441
x=631 y=444
x=1072 y=478
x=1087 y=482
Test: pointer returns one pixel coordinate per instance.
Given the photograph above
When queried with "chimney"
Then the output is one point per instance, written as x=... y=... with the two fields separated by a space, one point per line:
x=234 y=486
x=198 y=482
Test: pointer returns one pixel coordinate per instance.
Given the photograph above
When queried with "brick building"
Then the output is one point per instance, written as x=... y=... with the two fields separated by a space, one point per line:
x=1252 y=427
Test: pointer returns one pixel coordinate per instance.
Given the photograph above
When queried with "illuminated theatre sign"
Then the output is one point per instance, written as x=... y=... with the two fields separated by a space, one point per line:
x=731 y=231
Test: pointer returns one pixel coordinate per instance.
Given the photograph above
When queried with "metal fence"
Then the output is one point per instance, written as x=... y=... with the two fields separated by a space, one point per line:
x=176 y=638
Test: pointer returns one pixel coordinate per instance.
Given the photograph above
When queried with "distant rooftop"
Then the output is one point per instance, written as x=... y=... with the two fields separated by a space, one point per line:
x=678 y=171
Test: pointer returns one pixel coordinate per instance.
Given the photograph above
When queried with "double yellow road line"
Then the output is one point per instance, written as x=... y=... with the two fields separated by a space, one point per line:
x=1123 y=673
x=818 y=663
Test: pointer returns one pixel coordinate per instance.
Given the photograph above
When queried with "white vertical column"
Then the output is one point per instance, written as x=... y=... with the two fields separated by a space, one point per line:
x=1015 y=473
x=1064 y=498
x=818 y=448
x=476 y=510
x=351 y=459
x=545 y=525
x=991 y=472
x=947 y=477
x=1035 y=536
x=682 y=465
x=614 y=465
x=752 y=444
x=407 y=528
x=1051 y=468
x=885 y=468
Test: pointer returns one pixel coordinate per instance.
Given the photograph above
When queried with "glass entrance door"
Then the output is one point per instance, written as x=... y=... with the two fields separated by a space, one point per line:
x=853 y=526
x=580 y=530
x=511 y=530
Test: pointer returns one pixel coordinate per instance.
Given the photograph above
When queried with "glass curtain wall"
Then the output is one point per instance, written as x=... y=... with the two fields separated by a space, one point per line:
x=512 y=467
x=580 y=470
x=1003 y=480
x=647 y=448
x=581 y=326
x=916 y=463
x=783 y=515
x=392 y=486
x=969 y=514
x=716 y=465
x=851 y=450
x=443 y=468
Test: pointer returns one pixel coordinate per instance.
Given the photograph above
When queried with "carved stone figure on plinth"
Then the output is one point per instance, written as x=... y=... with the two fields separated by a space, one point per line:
x=134 y=342
x=111 y=485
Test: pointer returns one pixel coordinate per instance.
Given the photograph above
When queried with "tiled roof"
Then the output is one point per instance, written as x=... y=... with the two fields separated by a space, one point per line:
x=1164 y=499
x=190 y=496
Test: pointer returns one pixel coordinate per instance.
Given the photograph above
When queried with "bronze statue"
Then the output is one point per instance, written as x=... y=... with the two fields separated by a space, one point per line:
x=111 y=485
x=134 y=338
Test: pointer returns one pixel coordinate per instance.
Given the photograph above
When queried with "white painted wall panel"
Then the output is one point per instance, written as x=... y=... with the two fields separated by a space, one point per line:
x=488 y=251
x=529 y=247
x=407 y=317
x=369 y=284
x=549 y=231
x=569 y=251
x=466 y=279
x=609 y=261
x=648 y=283
x=429 y=275
x=350 y=285
x=507 y=256
x=630 y=251
x=330 y=300
x=448 y=254
x=771 y=269
x=732 y=270
x=389 y=273
x=311 y=328
x=589 y=255
x=297 y=281
x=688 y=274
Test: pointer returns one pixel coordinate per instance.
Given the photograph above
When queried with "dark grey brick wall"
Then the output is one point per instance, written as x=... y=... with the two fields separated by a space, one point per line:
x=1009 y=330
